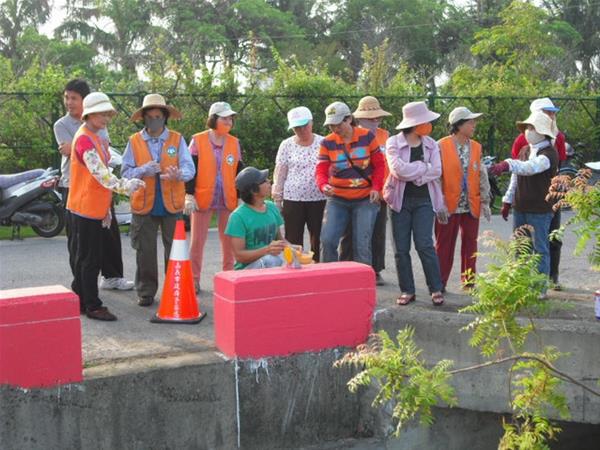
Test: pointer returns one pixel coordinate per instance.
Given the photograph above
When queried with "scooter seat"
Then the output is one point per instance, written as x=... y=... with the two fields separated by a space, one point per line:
x=593 y=165
x=7 y=181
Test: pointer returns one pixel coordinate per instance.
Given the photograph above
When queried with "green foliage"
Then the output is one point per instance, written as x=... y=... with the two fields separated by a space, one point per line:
x=510 y=286
x=402 y=377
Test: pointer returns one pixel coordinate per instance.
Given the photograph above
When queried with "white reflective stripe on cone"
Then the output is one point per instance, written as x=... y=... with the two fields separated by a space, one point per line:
x=180 y=251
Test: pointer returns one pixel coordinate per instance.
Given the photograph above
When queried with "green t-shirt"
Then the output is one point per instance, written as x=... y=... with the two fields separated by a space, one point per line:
x=258 y=229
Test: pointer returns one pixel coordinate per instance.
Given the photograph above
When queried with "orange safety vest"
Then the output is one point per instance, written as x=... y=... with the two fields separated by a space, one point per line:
x=206 y=172
x=382 y=137
x=87 y=197
x=452 y=175
x=173 y=191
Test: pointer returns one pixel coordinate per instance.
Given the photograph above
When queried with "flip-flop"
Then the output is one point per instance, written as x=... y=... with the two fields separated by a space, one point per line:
x=405 y=299
x=437 y=299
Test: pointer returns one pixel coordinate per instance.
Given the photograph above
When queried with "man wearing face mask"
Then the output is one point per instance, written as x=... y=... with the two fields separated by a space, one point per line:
x=217 y=156
x=530 y=181
x=161 y=158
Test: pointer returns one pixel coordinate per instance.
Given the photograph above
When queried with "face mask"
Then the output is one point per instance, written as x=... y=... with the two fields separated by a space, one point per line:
x=222 y=128
x=424 y=129
x=370 y=125
x=154 y=125
x=533 y=137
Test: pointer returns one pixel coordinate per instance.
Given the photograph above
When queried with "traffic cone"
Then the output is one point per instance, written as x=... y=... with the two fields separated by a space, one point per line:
x=178 y=303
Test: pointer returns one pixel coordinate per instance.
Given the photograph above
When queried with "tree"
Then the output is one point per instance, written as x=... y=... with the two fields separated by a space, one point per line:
x=16 y=16
x=119 y=28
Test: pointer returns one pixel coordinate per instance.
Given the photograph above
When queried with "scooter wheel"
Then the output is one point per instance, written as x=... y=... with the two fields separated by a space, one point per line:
x=54 y=222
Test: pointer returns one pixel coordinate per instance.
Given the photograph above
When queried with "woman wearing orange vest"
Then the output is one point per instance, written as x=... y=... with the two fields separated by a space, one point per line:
x=161 y=158
x=217 y=155
x=369 y=114
x=466 y=192
x=90 y=197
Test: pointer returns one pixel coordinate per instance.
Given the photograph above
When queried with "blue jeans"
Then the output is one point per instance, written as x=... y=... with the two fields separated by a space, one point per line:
x=541 y=228
x=338 y=212
x=416 y=218
x=265 y=262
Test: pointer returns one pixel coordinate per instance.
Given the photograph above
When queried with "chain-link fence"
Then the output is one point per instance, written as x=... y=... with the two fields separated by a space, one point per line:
x=27 y=140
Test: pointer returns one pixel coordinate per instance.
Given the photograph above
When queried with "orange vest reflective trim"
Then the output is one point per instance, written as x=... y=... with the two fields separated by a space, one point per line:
x=87 y=197
x=452 y=175
x=173 y=191
x=206 y=172
x=382 y=137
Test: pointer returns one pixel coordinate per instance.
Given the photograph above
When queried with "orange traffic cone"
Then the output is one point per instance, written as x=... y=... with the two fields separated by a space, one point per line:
x=178 y=303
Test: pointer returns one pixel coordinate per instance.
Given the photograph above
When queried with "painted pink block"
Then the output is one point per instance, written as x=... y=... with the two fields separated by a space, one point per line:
x=279 y=311
x=40 y=337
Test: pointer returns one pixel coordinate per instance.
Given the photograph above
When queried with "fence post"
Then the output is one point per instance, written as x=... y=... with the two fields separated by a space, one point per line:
x=596 y=154
x=491 y=137
x=431 y=100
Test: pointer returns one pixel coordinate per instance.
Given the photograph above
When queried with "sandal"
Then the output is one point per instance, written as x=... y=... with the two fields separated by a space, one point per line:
x=437 y=299
x=405 y=299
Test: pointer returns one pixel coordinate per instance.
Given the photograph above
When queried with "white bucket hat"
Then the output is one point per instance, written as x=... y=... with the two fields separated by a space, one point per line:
x=335 y=113
x=97 y=102
x=462 y=113
x=416 y=113
x=543 y=104
x=221 y=109
x=298 y=117
x=540 y=122
x=155 y=101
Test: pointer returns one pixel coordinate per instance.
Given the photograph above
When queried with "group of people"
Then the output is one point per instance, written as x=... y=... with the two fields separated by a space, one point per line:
x=340 y=187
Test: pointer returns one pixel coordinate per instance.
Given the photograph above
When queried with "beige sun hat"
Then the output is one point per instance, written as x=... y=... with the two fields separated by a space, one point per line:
x=462 y=113
x=541 y=122
x=369 y=108
x=416 y=113
x=155 y=101
x=97 y=102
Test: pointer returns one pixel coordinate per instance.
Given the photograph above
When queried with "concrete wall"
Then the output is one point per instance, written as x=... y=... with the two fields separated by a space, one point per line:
x=191 y=401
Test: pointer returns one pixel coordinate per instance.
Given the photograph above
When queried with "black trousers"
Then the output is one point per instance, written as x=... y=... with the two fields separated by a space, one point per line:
x=112 y=263
x=555 y=247
x=377 y=241
x=88 y=252
x=296 y=215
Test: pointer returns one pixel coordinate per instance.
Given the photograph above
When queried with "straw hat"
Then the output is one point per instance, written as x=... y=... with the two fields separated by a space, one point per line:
x=97 y=102
x=155 y=101
x=416 y=113
x=541 y=122
x=369 y=108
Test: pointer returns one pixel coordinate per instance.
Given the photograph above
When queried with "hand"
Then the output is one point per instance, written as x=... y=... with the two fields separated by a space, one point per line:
x=498 y=169
x=190 y=205
x=328 y=190
x=65 y=149
x=133 y=185
x=173 y=173
x=442 y=216
x=150 y=168
x=275 y=247
x=486 y=212
x=374 y=197
x=107 y=220
x=505 y=211
x=279 y=204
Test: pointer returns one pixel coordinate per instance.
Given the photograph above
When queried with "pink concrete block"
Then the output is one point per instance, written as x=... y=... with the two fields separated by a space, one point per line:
x=279 y=311
x=40 y=337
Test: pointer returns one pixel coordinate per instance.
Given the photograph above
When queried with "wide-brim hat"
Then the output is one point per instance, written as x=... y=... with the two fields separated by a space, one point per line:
x=542 y=123
x=369 y=108
x=97 y=102
x=462 y=113
x=416 y=113
x=152 y=101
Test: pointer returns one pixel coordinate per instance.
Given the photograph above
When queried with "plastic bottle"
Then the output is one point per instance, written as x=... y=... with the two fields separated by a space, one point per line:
x=597 y=303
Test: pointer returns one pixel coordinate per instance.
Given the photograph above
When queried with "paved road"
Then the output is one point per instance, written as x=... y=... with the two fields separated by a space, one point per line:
x=40 y=262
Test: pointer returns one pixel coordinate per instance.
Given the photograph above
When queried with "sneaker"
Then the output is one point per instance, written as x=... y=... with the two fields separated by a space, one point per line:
x=101 y=313
x=379 y=281
x=145 y=301
x=120 y=284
